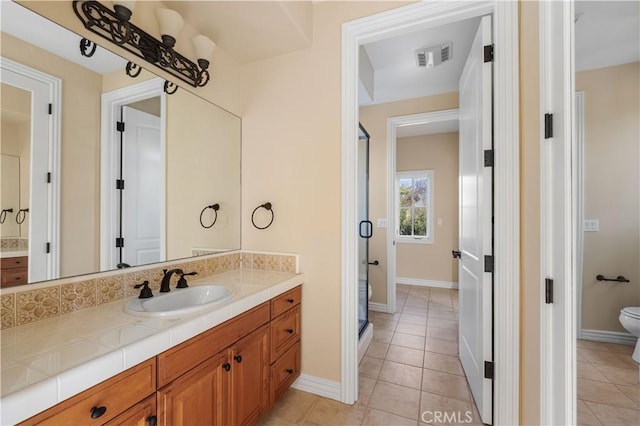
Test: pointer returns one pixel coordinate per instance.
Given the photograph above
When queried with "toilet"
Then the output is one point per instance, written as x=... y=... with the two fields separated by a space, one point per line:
x=630 y=320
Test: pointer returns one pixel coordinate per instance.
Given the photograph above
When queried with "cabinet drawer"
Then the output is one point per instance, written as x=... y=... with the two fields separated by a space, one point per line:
x=285 y=331
x=116 y=395
x=286 y=301
x=182 y=358
x=141 y=414
x=13 y=277
x=284 y=372
x=14 y=262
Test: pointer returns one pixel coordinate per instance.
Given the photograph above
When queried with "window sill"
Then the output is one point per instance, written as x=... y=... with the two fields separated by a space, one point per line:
x=414 y=240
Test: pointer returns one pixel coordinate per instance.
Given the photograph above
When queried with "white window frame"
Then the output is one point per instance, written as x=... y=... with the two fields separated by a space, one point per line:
x=415 y=174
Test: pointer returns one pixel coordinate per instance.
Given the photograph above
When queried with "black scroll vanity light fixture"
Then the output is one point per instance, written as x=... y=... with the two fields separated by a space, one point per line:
x=115 y=26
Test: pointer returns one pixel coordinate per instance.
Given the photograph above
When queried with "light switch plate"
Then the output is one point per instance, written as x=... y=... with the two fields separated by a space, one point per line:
x=382 y=223
x=591 y=225
x=439 y=221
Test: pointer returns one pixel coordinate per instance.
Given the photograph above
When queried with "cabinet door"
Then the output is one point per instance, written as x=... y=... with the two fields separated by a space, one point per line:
x=250 y=377
x=141 y=414
x=199 y=397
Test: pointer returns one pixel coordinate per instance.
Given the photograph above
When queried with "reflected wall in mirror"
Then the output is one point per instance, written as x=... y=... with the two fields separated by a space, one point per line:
x=179 y=154
x=14 y=150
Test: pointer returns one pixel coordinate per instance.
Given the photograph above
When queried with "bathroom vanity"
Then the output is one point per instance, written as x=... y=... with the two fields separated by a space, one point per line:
x=13 y=269
x=223 y=366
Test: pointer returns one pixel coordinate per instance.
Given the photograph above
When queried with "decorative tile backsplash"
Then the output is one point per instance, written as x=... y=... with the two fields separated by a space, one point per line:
x=59 y=297
x=279 y=262
x=14 y=244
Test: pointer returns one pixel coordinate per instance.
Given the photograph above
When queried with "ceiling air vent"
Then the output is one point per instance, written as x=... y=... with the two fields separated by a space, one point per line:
x=433 y=56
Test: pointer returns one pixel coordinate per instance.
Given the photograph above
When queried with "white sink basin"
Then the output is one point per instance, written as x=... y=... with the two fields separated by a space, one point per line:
x=180 y=302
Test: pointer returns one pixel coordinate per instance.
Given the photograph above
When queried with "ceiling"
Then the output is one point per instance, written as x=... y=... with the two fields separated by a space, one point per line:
x=607 y=33
x=21 y=23
x=427 y=128
x=251 y=30
x=396 y=75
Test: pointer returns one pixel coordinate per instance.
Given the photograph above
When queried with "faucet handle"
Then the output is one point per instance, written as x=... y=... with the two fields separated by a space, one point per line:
x=145 y=293
x=182 y=282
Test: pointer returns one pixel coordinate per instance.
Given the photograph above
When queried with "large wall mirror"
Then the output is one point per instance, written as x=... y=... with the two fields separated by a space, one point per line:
x=82 y=195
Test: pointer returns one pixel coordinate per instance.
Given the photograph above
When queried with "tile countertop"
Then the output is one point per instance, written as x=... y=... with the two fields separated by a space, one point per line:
x=46 y=362
x=7 y=254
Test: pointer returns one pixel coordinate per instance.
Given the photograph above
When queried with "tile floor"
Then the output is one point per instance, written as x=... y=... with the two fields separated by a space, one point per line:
x=412 y=367
x=608 y=386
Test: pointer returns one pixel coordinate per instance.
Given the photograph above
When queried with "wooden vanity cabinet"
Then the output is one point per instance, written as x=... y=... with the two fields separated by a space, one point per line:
x=285 y=342
x=200 y=397
x=14 y=271
x=141 y=414
x=234 y=377
x=105 y=401
x=229 y=375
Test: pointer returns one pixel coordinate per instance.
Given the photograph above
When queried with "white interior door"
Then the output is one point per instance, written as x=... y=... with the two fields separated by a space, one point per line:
x=40 y=165
x=475 y=285
x=142 y=196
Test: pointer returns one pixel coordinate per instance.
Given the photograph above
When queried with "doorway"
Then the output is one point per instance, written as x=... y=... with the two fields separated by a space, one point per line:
x=405 y=20
x=132 y=225
x=39 y=200
x=582 y=211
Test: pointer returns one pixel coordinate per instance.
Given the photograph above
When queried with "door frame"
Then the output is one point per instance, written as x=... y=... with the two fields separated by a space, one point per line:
x=558 y=213
x=109 y=159
x=404 y=20
x=393 y=124
x=53 y=166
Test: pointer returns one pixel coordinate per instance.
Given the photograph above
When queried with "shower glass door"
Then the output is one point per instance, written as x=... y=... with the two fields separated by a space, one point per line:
x=365 y=229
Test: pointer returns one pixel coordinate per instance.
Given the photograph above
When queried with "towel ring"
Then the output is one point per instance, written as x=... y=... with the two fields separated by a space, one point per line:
x=215 y=208
x=266 y=206
x=3 y=214
x=21 y=218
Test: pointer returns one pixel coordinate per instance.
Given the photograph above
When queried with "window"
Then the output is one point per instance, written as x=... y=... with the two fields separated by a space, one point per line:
x=414 y=206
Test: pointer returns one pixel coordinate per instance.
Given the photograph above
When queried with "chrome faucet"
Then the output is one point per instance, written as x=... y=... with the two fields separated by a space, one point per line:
x=166 y=279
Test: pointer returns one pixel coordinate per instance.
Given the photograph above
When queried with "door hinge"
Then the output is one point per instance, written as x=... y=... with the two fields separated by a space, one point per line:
x=119 y=183
x=50 y=109
x=488 y=263
x=119 y=242
x=120 y=126
x=548 y=290
x=48 y=177
x=47 y=248
x=488 y=370
x=488 y=158
x=488 y=53
x=548 y=126
x=457 y=254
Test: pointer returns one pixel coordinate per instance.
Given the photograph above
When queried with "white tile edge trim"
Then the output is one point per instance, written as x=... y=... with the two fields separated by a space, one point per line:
x=364 y=341
x=619 y=337
x=426 y=283
x=318 y=386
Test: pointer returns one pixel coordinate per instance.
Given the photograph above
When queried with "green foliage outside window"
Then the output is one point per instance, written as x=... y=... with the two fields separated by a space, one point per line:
x=413 y=198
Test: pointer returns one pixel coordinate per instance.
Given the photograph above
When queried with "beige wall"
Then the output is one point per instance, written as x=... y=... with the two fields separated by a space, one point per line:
x=611 y=193
x=374 y=119
x=439 y=153
x=79 y=152
x=530 y=298
x=291 y=157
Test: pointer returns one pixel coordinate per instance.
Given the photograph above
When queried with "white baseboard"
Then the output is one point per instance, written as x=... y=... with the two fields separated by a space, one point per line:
x=426 y=283
x=619 y=337
x=378 y=307
x=365 y=341
x=318 y=386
